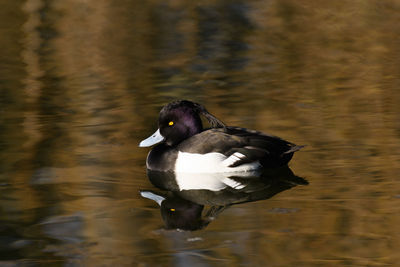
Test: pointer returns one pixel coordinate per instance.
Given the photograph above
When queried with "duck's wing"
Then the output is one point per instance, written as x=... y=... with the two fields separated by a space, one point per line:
x=268 y=149
x=241 y=146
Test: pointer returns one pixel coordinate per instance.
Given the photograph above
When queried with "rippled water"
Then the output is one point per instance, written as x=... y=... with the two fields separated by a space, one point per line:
x=81 y=84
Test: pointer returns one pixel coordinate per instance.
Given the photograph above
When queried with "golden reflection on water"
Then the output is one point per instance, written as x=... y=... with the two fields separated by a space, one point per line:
x=82 y=83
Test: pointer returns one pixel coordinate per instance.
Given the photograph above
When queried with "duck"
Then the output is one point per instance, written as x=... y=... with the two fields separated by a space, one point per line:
x=182 y=145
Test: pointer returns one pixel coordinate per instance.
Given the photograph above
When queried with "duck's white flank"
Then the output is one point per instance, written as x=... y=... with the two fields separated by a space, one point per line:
x=212 y=163
x=233 y=159
x=211 y=172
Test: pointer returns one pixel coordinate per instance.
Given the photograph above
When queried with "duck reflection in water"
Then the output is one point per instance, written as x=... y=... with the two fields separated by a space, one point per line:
x=192 y=206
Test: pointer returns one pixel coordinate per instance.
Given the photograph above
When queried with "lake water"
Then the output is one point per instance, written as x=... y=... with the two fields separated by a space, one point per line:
x=82 y=82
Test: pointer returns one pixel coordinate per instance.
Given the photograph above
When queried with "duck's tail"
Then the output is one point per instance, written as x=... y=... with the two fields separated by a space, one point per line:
x=293 y=149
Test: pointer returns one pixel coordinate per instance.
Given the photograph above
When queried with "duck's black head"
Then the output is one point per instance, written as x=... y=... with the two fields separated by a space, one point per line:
x=178 y=121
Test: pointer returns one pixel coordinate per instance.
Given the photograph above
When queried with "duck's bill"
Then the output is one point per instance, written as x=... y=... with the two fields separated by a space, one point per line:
x=155 y=138
x=150 y=195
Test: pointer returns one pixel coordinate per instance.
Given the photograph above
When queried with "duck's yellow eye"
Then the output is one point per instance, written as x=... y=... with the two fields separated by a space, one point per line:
x=172 y=209
x=170 y=123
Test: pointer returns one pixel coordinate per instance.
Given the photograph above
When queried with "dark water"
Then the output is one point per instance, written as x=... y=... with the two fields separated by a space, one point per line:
x=81 y=83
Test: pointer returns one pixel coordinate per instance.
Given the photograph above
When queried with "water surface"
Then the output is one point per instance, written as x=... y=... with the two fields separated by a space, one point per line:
x=82 y=82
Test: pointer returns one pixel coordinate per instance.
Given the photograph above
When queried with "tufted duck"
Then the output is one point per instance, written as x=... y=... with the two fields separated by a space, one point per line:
x=184 y=146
